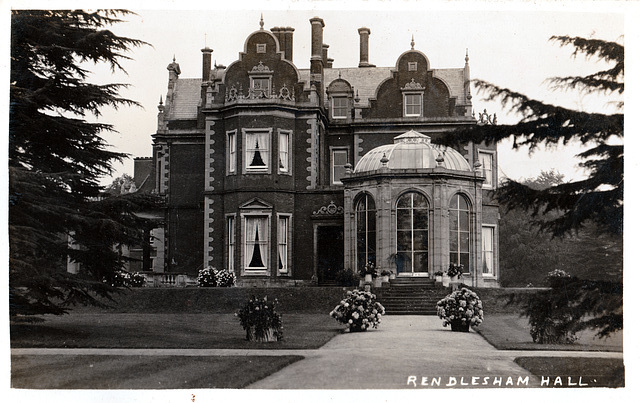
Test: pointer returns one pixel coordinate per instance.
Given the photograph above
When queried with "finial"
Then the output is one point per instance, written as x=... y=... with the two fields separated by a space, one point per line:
x=412 y=42
x=384 y=160
x=357 y=99
x=440 y=159
x=205 y=39
x=466 y=58
x=261 y=22
x=339 y=74
x=174 y=58
x=160 y=99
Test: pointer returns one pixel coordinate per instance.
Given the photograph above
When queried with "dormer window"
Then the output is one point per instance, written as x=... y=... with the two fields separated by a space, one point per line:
x=412 y=105
x=261 y=86
x=339 y=107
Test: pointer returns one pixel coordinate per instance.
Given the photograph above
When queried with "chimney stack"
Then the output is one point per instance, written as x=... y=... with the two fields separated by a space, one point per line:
x=325 y=54
x=206 y=63
x=288 y=43
x=317 y=61
x=364 y=47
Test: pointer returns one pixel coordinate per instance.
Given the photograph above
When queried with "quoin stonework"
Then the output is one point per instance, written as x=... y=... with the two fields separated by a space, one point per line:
x=289 y=174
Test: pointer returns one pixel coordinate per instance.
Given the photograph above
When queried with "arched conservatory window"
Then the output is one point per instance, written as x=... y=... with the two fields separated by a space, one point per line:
x=412 y=228
x=459 y=234
x=365 y=230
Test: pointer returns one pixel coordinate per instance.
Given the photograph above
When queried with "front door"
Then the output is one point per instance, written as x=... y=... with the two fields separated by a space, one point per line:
x=329 y=252
x=412 y=216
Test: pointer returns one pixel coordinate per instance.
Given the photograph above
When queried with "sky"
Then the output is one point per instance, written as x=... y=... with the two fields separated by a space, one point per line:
x=508 y=45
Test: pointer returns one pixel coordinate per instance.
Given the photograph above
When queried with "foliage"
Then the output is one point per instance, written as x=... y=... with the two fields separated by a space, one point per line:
x=56 y=159
x=359 y=310
x=385 y=273
x=346 y=278
x=260 y=320
x=121 y=185
x=212 y=277
x=455 y=270
x=438 y=273
x=123 y=278
x=369 y=268
x=599 y=197
x=462 y=306
x=526 y=253
x=570 y=305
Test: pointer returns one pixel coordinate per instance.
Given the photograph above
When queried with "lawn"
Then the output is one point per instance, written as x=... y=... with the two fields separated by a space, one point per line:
x=597 y=372
x=511 y=332
x=142 y=372
x=106 y=330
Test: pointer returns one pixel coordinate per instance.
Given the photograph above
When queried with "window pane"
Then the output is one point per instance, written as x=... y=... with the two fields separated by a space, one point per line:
x=420 y=262
x=453 y=220
x=404 y=219
x=420 y=240
x=464 y=242
x=403 y=262
x=404 y=201
x=464 y=260
x=404 y=240
x=421 y=219
x=419 y=201
x=453 y=241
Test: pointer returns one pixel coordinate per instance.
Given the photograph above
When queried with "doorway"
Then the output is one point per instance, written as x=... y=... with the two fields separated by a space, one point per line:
x=329 y=253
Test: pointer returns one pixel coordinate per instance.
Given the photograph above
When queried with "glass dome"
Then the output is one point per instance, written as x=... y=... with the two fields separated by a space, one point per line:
x=412 y=150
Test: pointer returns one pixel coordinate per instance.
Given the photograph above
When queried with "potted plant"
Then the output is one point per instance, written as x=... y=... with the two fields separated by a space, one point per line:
x=454 y=273
x=385 y=275
x=460 y=309
x=359 y=310
x=368 y=272
x=438 y=276
x=260 y=320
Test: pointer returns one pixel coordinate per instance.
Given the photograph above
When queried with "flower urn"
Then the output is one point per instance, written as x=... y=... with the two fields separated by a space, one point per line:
x=368 y=278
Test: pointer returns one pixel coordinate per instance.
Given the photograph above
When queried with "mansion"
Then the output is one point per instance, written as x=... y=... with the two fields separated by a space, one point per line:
x=288 y=175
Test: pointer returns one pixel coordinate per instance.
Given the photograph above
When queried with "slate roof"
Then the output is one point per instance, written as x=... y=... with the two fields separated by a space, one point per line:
x=186 y=98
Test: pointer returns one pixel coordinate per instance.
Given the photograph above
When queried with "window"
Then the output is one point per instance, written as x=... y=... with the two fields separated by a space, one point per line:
x=340 y=107
x=261 y=48
x=231 y=242
x=412 y=230
x=487 y=251
x=284 y=138
x=283 y=243
x=413 y=66
x=412 y=104
x=257 y=156
x=232 y=156
x=365 y=230
x=486 y=159
x=261 y=86
x=256 y=243
x=339 y=158
x=459 y=234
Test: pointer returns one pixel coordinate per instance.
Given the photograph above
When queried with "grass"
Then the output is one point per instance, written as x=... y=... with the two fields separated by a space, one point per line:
x=599 y=372
x=142 y=372
x=511 y=332
x=104 y=330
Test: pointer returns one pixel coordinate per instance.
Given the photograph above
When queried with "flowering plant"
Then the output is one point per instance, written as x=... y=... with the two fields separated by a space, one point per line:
x=260 y=320
x=462 y=306
x=359 y=310
x=438 y=273
x=212 y=277
x=368 y=268
x=455 y=270
x=385 y=273
x=123 y=278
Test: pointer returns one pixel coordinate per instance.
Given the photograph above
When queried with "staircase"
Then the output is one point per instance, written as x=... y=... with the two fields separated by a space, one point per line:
x=411 y=296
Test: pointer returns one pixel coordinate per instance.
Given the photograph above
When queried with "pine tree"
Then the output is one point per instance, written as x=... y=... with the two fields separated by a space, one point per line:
x=56 y=158
x=599 y=197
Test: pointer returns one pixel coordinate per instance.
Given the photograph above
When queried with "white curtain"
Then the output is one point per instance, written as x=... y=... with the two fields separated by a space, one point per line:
x=283 y=224
x=262 y=233
x=487 y=250
x=257 y=143
x=250 y=237
x=284 y=152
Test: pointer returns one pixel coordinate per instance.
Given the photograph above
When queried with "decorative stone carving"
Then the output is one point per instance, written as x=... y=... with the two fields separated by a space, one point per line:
x=329 y=210
x=412 y=86
x=260 y=68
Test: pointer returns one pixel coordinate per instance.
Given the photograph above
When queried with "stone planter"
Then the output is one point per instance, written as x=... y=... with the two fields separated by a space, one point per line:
x=445 y=281
x=459 y=326
x=385 y=279
x=368 y=278
x=439 y=279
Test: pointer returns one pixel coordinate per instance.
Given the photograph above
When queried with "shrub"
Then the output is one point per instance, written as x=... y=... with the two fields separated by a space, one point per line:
x=359 y=310
x=122 y=278
x=212 y=277
x=136 y=279
x=570 y=305
x=260 y=320
x=206 y=277
x=347 y=278
x=462 y=306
